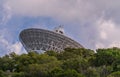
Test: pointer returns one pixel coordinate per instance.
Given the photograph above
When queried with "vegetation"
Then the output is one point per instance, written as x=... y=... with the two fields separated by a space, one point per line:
x=69 y=63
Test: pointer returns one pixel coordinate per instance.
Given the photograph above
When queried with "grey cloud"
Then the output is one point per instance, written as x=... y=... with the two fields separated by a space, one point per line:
x=93 y=17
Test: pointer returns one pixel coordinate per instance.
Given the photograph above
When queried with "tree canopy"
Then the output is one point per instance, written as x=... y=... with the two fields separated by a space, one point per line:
x=69 y=63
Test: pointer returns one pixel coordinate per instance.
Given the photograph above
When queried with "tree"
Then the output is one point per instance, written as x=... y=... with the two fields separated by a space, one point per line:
x=73 y=53
x=20 y=74
x=116 y=65
x=79 y=64
x=92 y=72
x=58 y=72
x=6 y=63
x=51 y=53
x=104 y=70
x=35 y=70
x=2 y=74
x=106 y=56
x=114 y=74
x=70 y=73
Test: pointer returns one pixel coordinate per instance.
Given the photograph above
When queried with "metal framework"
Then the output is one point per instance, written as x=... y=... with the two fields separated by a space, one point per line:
x=40 y=39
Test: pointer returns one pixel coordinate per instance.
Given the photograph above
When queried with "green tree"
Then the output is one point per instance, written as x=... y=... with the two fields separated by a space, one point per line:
x=79 y=64
x=20 y=74
x=105 y=70
x=2 y=74
x=105 y=56
x=58 y=72
x=35 y=70
x=114 y=74
x=73 y=53
x=92 y=72
x=116 y=65
x=51 y=53
x=70 y=73
x=6 y=63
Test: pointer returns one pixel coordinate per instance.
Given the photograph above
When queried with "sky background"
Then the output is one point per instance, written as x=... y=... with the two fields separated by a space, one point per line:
x=92 y=23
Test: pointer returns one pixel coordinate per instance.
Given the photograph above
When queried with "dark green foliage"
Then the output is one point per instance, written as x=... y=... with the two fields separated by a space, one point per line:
x=116 y=65
x=20 y=74
x=2 y=74
x=114 y=74
x=105 y=56
x=79 y=64
x=51 y=53
x=58 y=72
x=104 y=70
x=73 y=53
x=92 y=72
x=35 y=70
x=69 y=63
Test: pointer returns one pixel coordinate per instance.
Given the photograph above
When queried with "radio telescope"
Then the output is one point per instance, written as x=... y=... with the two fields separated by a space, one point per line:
x=34 y=39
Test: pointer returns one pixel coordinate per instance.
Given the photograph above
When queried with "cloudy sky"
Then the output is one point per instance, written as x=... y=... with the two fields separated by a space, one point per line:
x=93 y=23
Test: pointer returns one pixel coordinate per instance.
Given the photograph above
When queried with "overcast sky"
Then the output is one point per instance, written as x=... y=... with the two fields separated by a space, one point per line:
x=93 y=23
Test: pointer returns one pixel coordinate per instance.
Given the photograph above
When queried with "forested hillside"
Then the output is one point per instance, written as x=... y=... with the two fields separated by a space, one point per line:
x=69 y=63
